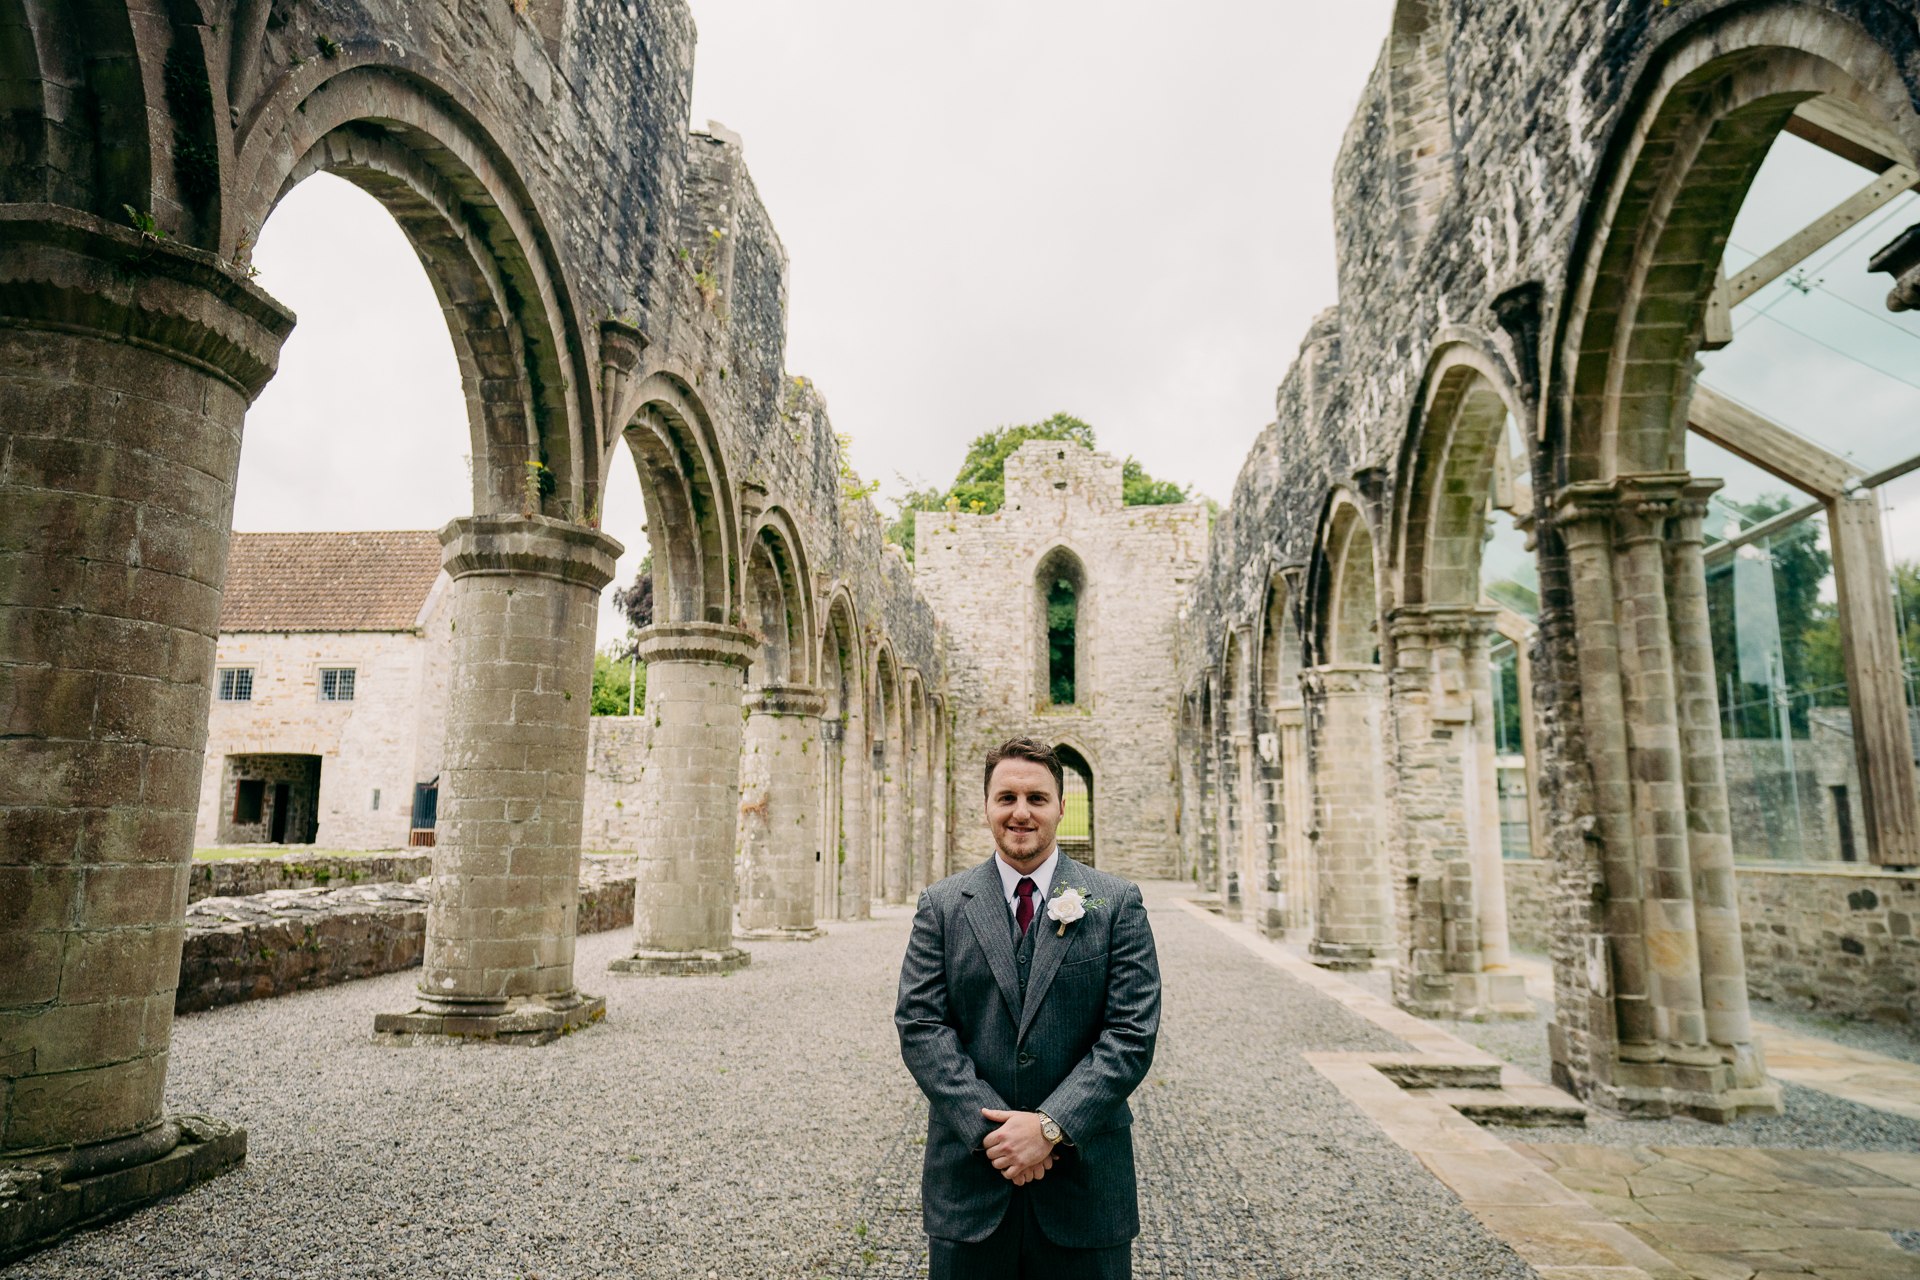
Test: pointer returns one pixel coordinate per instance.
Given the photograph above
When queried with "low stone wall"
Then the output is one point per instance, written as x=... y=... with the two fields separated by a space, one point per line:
x=254 y=946
x=1843 y=942
x=242 y=877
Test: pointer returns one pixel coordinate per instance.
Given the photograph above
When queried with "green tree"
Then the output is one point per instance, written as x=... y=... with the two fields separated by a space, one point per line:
x=611 y=668
x=981 y=487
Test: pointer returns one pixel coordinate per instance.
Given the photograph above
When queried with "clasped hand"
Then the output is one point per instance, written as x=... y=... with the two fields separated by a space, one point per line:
x=1018 y=1149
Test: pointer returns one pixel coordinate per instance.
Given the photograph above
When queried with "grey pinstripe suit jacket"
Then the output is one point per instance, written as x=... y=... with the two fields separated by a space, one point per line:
x=1075 y=1047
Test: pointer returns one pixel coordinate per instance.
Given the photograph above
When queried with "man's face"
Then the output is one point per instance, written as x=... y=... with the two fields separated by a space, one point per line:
x=1023 y=808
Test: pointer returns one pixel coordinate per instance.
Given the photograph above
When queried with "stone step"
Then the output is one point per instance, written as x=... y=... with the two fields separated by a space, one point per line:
x=1431 y=1071
x=1523 y=1106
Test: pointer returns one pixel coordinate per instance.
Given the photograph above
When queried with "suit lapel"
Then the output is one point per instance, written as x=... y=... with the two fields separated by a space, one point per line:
x=1049 y=947
x=987 y=914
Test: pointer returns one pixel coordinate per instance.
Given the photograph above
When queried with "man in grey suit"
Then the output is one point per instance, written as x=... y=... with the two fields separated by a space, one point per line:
x=1029 y=1005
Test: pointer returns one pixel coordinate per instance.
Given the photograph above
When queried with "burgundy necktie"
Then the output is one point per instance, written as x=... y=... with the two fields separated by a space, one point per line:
x=1024 y=912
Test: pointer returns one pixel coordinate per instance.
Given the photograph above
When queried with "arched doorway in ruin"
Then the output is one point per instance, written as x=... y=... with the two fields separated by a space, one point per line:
x=1353 y=912
x=1467 y=598
x=842 y=889
x=1280 y=753
x=1076 y=836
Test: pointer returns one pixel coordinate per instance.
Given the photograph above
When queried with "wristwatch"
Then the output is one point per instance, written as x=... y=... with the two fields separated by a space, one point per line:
x=1050 y=1128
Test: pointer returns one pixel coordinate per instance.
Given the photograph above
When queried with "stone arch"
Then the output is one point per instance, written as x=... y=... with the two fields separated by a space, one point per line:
x=1279 y=647
x=842 y=890
x=779 y=605
x=1654 y=232
x=1053 y=665
x=425 y=151
x=691 y=511
x=1449 y=466
x=1348 y=621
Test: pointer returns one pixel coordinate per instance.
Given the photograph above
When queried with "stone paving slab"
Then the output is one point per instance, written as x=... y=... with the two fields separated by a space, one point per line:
x=1734 y=1213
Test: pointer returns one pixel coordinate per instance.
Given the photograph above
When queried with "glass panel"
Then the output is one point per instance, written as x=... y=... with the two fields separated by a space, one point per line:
x=1787 y=736
x=1823 y=325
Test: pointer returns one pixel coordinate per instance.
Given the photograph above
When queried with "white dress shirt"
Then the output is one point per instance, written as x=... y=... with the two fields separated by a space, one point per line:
x=1042 y=877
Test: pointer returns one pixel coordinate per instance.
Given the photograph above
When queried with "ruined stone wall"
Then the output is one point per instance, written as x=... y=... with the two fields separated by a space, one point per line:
x=1471 y=173
x=979 y=573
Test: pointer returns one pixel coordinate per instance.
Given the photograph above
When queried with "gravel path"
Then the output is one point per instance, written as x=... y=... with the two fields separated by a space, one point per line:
x=758 y=1125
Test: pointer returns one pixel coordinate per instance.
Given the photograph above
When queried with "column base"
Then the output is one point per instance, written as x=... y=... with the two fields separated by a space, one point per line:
x=1656 y=1090
x=523 y=1020
x=683 y=964
x=46 y=1198
x=1346 y=956
x=781 y=935
x=1466 y=997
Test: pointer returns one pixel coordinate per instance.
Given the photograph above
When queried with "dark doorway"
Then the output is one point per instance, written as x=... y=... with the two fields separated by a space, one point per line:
x=276 y=800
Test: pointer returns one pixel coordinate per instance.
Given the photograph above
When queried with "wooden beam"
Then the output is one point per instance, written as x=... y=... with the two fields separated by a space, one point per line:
x=1770 y=446
x=1882 y=740
x=1848 y=132
x=1817 y=234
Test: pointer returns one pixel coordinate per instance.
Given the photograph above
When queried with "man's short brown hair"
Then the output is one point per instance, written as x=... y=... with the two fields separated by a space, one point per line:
x=1027 y=749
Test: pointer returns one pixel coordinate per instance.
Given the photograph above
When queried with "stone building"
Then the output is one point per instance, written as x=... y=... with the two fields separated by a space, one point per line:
x=329 y=700
x=1100 y=682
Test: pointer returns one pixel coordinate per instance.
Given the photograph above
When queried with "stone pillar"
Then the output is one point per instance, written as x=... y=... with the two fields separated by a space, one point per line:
x=923 y=874
x=895 y=771
x=126 y=369
x=1447 y=842
x=1252 y=813
x=1298 y=893
x=1353 y=922
x=689 y=801
x=506 y=865
x=780 y=813
x=856 y=786
x=1669 y=930
x=1723 y=960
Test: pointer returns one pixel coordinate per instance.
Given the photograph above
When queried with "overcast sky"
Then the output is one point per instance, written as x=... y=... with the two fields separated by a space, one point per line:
x=994 y=212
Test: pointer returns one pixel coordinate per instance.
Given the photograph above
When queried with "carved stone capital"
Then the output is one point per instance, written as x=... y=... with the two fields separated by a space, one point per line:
x=528 y=547
x=786 y=700
x=69 y=271
x=698 y=642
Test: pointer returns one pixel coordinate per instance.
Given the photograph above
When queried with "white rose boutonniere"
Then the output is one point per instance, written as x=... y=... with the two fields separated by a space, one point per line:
x=1068 y=905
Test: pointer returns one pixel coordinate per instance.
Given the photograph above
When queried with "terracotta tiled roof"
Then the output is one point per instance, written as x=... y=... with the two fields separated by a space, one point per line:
x=329 y=581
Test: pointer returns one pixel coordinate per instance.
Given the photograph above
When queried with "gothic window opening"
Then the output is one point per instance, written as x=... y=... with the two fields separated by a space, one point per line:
x=1061 y=652
x=1062 y=608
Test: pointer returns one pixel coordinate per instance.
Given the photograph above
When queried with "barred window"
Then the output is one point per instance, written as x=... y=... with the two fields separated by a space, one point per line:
x=236 y=684
x=336 y=684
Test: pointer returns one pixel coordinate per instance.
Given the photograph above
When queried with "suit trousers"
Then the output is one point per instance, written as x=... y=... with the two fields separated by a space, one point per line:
x=1019 y=1250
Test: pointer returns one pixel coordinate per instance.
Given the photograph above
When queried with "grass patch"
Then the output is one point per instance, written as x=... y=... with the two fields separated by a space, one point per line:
x=1074 y=825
